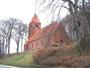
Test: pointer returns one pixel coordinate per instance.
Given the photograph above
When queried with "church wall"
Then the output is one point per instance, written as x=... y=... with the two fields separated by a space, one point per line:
x=40 y=43
x=61 y=36
x=35 y=44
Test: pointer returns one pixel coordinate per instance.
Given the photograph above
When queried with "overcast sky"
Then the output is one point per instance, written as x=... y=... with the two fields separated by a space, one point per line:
x=21 y=9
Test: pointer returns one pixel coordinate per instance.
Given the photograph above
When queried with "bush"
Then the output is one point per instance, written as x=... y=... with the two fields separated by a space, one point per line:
x=42 y=53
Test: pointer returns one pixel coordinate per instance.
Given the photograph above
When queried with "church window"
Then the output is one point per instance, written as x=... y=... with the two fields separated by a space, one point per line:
x=32 y=45
x=36 y=25
x=61 y=41
x=36 y=44
x=55 y=45
x=39 y=42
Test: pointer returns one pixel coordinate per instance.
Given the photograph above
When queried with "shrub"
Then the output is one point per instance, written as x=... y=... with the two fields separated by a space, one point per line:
x=40 y=54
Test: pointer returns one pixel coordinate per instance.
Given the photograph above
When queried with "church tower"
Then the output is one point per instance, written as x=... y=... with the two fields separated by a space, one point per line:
x=34 y=25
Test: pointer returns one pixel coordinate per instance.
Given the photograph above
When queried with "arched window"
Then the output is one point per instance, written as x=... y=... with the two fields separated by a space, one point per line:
x=39 y=43
x=61 y=41
x=36 y=25
x=32 y=45
x=36 y=44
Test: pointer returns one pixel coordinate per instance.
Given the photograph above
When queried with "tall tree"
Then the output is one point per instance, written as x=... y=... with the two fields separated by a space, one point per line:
x=2 y=46
x=20 y=33
x=7 y=28
x=74 y=6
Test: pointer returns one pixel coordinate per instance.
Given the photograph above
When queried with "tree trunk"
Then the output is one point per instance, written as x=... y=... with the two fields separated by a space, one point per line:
x=8 y=44
x=73 y=12
x=18 y=40
x=17 y=46
x=3 y=47
x=22 y=44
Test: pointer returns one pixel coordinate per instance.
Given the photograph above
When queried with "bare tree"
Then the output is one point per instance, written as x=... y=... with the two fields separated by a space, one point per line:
x=24 y=35
x=7 y=28
x=74 y=6
x=2 y=43
x=2 y=46
x=21 y=31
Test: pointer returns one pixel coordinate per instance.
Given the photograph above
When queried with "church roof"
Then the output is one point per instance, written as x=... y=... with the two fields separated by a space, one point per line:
x=35 y=19
x=44 y=31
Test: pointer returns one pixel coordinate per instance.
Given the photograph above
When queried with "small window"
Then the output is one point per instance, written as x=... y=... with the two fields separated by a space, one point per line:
x=61 y=40
x=39 y=42
x=55 y=45
x=32 y=45
x=36 y=25
x=36 y=44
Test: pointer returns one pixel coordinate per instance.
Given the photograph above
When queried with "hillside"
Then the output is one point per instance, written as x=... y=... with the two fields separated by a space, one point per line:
x=62 y=56
x=22 y=59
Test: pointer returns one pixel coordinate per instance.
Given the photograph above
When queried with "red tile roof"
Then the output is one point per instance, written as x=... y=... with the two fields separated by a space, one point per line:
x=44 y=31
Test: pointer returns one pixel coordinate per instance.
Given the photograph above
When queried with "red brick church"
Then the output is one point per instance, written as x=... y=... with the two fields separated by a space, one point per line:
x=44 y=37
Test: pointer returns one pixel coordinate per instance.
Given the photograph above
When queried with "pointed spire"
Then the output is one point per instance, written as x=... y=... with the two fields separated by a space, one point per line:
x=35 y=19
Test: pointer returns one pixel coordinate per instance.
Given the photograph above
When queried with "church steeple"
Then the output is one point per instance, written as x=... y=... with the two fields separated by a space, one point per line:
x=35 y=19
x=34 y=25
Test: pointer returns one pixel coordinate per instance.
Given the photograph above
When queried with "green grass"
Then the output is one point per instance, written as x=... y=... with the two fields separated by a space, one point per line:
x=22 y=59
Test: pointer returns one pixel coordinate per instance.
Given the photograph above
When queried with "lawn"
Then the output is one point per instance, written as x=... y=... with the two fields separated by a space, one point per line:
x=22 y=59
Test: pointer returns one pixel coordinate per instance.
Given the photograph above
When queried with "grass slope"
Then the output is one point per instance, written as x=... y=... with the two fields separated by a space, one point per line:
x=22 y=59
